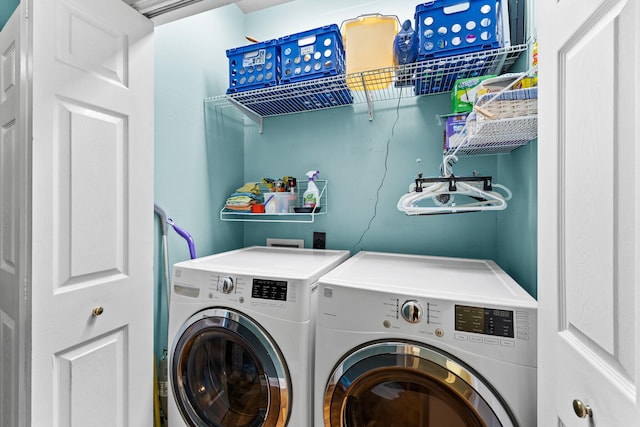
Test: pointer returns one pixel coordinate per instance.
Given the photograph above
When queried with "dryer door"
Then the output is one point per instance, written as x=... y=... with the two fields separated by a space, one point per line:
x=226 y=371
x=411 y=385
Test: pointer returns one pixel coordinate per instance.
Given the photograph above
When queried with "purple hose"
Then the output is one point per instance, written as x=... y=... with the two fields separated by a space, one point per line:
x=186 y=236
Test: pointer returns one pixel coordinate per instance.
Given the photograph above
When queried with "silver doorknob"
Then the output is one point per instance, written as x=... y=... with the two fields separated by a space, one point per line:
x=581 y=410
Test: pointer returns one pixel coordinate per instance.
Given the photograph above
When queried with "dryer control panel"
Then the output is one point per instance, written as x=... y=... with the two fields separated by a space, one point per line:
x=483 y=320
x=493 y=329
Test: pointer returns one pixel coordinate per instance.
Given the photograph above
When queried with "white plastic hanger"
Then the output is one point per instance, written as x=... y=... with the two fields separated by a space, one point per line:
x=453 y=195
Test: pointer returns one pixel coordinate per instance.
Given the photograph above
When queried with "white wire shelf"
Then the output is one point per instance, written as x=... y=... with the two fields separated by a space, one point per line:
x=429 y=77
x=290 y=215
x=512 y=122
x=498 y=136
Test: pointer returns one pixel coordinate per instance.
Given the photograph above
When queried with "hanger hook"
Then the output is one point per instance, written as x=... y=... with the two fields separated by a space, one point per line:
x=446 y=168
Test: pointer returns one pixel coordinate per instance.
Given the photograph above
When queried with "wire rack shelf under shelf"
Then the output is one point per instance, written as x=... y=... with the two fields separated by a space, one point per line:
x=497 y=136
x=428 y=77
x=289 y=215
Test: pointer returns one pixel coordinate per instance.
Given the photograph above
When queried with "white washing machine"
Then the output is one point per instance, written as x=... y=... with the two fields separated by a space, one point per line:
x=241 y=336
x=418 y=341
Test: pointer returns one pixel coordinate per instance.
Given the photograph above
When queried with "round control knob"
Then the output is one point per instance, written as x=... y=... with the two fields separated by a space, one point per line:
x=226 y=285
x=411 y=311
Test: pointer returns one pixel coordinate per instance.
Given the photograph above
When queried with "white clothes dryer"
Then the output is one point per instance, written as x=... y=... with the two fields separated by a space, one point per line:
x=241 y=336
x=419 y=341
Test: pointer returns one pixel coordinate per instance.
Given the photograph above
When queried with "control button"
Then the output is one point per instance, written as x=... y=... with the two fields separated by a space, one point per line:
x=411 y=311
x=492 y=341
x=439 y=333
x=460 y=337
x=478 y=340
x=227 y=285
x=507 y=343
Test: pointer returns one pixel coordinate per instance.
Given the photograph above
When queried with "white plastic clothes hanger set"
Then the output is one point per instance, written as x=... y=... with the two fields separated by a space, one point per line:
x=452 y=194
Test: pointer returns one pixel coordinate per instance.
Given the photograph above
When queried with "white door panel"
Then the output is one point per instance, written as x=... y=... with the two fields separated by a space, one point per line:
x=589 y=212
x=92 y=214
x=11 y=220
x=96 y=368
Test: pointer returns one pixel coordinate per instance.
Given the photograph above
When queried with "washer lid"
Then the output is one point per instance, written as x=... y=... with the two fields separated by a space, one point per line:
x=269 y=261
x=443 y=277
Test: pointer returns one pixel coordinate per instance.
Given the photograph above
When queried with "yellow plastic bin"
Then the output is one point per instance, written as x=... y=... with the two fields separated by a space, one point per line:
x=368 y=44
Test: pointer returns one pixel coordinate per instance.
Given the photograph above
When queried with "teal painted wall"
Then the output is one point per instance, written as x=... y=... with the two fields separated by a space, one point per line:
x=6 y=9
x=350 y=152
x=517 y=229
x=190 y=65
x=203 y=154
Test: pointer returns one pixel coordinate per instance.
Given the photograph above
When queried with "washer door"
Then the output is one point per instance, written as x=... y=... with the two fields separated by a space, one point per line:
x=387 y=384
x=226 y=371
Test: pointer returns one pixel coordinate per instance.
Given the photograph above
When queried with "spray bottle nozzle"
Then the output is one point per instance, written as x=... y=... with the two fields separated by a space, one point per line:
x=312 y=175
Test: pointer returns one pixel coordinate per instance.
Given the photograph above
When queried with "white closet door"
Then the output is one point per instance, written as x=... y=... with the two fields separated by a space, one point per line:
x=12 y=224
x=589 y=213
x=92 y=214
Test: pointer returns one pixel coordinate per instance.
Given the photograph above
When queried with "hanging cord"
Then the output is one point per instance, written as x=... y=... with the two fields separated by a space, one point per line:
x=384 y=176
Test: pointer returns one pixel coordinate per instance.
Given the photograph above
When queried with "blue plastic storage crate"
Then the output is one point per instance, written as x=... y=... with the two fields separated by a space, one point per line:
x=453 y=27
x=254 y=66
x=312 y=54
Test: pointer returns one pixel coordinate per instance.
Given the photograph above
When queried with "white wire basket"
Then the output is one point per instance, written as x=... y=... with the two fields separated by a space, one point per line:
x=500 y=123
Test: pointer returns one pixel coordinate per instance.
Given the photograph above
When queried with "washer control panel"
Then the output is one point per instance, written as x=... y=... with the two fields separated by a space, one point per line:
x=269 y=290
x=257 y=291
x=226 y=288
x=282 y=298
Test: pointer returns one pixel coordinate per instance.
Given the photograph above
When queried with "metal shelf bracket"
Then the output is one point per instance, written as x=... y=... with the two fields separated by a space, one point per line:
x=256 y=118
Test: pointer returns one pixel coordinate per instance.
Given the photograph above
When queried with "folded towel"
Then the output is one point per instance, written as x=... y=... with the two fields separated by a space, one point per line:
x=241 y=208
x=249 y=187
x=243 y=199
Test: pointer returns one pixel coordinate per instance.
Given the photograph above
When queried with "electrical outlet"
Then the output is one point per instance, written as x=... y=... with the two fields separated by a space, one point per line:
x=319 y=240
